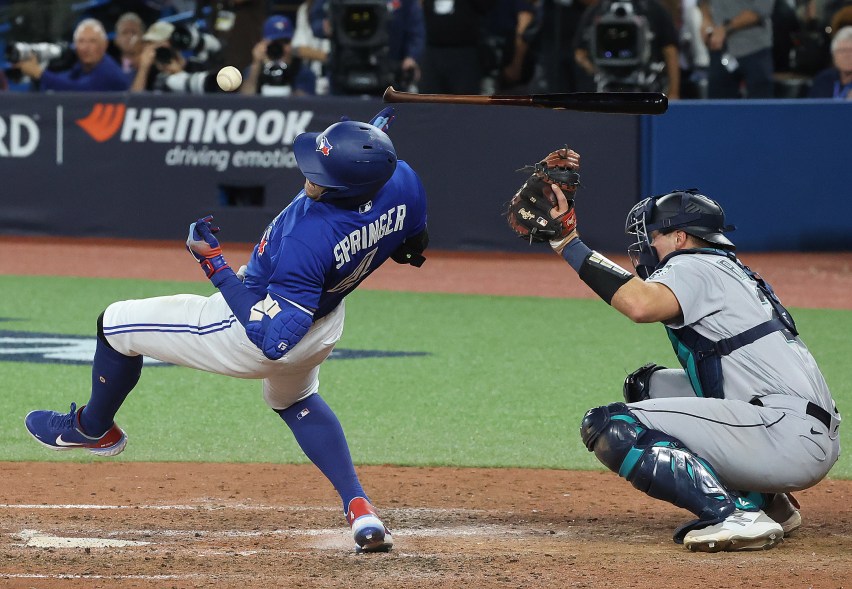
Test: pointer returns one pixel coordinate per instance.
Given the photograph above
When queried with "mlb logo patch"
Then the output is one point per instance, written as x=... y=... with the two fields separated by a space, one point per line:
x=303 y=413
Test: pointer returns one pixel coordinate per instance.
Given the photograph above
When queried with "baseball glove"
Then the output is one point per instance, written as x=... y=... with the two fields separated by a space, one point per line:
x=528 y=212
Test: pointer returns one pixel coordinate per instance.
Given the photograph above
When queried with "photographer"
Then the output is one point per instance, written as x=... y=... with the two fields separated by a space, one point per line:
x=162 y=68
x=95 y=71
x=656 y=47
x=274 y=70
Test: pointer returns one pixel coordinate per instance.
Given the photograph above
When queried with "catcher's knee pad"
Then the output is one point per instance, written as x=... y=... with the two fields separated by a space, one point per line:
x=611 y=432
x=637 y=382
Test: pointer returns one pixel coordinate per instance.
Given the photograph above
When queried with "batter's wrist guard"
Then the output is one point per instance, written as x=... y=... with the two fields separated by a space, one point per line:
x=213 y=265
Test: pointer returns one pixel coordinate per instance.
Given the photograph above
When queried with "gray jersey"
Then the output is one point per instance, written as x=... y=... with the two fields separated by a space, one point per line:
x=748 y=40
x=775 y=446
x=719 y=300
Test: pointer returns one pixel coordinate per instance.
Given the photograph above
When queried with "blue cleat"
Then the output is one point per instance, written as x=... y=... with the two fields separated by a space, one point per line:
x=62 y=431
x=369 y=532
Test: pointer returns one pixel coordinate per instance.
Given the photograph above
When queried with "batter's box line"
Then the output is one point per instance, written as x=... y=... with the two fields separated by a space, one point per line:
x=248 y=507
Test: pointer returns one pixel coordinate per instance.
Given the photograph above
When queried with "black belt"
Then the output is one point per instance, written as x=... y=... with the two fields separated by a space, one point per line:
x=819 y=413
x=815 y=411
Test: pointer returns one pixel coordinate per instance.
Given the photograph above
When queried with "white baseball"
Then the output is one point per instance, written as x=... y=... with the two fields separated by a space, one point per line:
x=229 y=78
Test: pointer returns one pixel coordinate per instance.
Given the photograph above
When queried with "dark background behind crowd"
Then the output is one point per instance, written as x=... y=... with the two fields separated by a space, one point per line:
x=691 y=49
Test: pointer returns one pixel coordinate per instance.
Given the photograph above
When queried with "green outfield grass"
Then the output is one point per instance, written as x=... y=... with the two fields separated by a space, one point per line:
x=504 y=382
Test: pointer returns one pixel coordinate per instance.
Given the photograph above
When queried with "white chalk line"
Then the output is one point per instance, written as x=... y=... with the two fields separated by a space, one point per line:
x=235 y=507
x=105 y=577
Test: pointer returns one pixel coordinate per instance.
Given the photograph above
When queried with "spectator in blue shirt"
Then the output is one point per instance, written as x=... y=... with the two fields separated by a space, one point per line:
x=836 y=81
x=94 y=71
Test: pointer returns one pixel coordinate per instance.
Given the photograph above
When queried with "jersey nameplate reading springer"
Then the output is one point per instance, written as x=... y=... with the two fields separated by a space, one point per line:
x=368 y=235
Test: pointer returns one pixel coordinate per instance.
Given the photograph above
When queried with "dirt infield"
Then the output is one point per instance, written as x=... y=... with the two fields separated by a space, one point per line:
x=206 y=525
x=261 y=525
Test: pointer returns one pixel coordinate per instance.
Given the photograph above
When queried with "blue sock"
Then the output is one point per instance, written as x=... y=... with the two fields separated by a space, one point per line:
x=113 y=377
x=321 y=438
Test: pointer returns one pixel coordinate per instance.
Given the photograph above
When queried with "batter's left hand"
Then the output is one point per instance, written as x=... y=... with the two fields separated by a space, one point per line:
x=204 y=247
x=383 y=119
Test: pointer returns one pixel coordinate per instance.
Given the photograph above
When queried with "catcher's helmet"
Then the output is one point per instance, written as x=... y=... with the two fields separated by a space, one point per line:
x=350 y=159
x=686 y=210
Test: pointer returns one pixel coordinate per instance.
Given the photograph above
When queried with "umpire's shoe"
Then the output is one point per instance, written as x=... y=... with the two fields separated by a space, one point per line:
x=742 y=530
x=369 y=532
x=62 y=431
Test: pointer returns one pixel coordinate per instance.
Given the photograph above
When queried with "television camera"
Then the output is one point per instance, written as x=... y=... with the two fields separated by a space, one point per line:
x=621 y=51
x=360 y=62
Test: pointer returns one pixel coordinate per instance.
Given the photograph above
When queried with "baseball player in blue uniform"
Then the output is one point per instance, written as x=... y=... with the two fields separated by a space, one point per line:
x=278 y=318
x=747 y=418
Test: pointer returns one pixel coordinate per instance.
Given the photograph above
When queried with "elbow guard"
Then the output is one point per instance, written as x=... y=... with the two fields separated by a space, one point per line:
x=276 y=327
x=411 y=250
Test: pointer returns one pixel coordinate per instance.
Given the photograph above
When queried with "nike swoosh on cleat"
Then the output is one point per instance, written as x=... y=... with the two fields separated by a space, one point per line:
x=61 y=442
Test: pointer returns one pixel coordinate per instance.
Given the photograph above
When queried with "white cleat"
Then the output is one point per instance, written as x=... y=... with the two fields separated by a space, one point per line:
x=742 y=530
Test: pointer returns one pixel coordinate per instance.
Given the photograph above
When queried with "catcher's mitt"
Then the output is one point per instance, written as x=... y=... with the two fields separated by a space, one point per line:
x=528 y=212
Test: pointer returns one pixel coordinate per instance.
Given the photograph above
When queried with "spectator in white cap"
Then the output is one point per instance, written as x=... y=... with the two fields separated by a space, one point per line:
x=157 y=57
x=274 y=69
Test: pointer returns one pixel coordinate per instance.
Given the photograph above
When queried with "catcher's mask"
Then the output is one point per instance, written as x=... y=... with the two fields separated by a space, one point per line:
x=686 y=210
x=351 y=159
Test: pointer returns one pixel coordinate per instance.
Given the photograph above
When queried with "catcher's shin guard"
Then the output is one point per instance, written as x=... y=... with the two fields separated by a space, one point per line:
x=658 y=465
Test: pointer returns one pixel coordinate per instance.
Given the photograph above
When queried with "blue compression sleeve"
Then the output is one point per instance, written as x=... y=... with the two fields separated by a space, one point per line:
x=239 y=298
x=113 y=377
x=319 y=434
x=575 y=253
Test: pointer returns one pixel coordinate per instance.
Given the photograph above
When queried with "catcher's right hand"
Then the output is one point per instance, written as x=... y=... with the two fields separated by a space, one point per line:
x=536 y=212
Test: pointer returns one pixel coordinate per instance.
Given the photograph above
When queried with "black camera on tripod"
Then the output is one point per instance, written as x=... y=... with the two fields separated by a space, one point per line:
x=360 y=60
x=621 y=50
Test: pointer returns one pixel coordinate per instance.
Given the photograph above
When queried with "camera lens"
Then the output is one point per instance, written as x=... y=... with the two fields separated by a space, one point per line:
x=164 y=55
x=16 y=52
x=275 y=50
x=12 y=54
x=182 y=38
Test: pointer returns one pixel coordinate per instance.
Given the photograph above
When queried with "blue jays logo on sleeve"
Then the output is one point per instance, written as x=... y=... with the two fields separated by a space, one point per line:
x=324 y=146
x=261 y=247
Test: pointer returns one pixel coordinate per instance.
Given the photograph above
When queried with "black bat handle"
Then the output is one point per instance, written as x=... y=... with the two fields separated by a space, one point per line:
x=635 y=103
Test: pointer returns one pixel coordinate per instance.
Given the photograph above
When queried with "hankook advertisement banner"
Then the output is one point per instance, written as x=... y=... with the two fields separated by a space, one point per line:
x=146 y=165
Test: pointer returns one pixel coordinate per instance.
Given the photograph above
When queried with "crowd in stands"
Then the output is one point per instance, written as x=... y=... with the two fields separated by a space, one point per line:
x=690 y=49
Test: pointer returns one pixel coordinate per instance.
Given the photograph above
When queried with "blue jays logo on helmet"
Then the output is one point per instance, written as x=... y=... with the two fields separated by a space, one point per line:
x=323 y=146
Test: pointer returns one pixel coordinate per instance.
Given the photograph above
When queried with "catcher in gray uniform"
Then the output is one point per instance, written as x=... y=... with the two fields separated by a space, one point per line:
x=747 y=419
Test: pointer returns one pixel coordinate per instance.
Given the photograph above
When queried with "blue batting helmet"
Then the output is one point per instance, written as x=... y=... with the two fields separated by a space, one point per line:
x=686 y=210
x=350 y=159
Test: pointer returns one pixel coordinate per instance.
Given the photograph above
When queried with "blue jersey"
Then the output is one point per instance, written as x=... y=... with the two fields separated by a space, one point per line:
x=315 y=253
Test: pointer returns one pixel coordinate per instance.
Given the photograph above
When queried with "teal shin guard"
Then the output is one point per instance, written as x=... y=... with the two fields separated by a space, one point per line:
x=656 y=464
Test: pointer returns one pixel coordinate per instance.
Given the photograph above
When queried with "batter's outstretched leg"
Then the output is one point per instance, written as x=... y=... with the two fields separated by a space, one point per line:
x=662 y=467
x=321 y=437
x=91 y=427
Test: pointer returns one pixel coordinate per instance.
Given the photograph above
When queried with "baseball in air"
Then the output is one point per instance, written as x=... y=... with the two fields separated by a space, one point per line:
x=229 y=78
